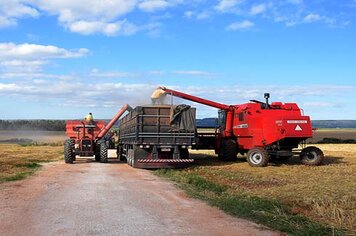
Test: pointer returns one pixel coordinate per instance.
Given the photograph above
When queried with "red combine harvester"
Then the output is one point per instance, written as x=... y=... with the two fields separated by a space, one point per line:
x=85 y=138
x=260 y=129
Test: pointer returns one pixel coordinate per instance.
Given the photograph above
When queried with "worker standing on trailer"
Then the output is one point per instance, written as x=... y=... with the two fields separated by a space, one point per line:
x=89 y=118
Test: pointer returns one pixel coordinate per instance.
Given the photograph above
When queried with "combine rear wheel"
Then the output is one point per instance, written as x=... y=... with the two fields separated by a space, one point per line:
x=257 y=157
x=103 y=153
x=69 y=155
x=228 y=150
x=311 y=156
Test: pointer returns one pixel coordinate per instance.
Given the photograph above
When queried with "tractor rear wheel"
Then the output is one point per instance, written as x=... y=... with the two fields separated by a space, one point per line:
x=103 y=152
x=228 y=150
x=69 y=155
x=257 y=157
x=97 y=151
x=311 y=156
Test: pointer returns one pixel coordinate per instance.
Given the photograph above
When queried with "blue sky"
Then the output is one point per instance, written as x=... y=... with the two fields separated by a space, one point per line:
x=60 y=59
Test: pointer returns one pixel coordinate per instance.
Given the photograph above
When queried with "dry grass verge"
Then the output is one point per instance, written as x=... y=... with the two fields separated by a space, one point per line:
x=18 y=162
x=322 y=198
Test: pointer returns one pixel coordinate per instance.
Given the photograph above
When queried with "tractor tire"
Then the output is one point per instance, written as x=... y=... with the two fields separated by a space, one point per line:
x=228 y=150
x=97 y=151
x=311 y=156
x=257 y=157
x=103 y=153
x=69 y=156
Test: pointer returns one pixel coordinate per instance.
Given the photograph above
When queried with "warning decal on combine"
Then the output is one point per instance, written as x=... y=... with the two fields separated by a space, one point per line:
x=298 y=128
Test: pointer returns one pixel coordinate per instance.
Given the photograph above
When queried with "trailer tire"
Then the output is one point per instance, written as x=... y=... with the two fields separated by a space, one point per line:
x=311 y=156
x=228 y=150
x=103 y=152
x=69 y=155
x=257 y=157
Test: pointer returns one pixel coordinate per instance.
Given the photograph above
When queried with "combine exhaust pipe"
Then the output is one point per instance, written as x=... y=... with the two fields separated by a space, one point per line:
x=113 y=121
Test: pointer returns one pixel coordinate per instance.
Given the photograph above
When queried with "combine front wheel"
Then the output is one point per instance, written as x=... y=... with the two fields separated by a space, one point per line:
x=69 y=155
x=103 y=153
x=257 y=157
x=311 y=156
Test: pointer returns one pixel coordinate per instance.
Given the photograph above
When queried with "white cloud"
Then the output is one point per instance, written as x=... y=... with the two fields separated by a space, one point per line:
x=110 y=29
x=242 y=25
x=226 y=5
x=111 y=74
x=192 y=72
x=89 y=10
x=189 y=14
x=153 y=5
x=258 y=9
x=13 y=10
x=203 y=15
x=36 y=51
x=91 y=16
x=320 y=104
x=312 y=18
x=32 y=57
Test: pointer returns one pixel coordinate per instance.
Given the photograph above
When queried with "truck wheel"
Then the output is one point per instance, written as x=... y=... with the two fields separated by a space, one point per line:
x=184 y=153
x=68 y=151
x=311 y=156
x=257 y=157
x=119 y=153
x=228 y=150
x=103 y=153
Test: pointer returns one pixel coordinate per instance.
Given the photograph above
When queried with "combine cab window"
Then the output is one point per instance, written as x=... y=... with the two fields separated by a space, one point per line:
x=241 y=116
x=222 y=119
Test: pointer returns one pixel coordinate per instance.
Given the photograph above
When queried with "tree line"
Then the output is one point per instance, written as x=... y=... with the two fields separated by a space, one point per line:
x=45 y=125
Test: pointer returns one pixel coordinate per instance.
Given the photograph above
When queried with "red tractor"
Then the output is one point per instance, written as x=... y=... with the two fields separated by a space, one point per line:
x=85 y=138
x=261 y=130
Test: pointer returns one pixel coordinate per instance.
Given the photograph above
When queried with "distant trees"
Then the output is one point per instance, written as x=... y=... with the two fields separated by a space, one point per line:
x=48 y=125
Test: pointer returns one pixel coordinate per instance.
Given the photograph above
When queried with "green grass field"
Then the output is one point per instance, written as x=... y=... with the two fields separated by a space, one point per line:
x=290 y=197
x=18 y=161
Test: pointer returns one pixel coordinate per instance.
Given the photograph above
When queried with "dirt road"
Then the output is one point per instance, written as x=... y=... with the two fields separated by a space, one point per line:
x=108 y=199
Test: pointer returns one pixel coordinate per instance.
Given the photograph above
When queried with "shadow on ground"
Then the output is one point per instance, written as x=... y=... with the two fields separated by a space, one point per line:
x=209 y=160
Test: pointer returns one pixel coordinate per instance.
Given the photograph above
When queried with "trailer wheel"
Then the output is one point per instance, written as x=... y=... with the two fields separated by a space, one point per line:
x=311 y=156
x=103 y=153
x=69 y=155
x=257 y=157
x=228 y=150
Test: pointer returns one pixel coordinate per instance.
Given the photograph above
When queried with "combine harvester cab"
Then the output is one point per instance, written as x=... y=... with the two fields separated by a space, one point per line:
x=157 y=136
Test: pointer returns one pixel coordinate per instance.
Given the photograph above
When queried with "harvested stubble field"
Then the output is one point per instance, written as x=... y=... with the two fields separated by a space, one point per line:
x=20 y=161
x=287 y=196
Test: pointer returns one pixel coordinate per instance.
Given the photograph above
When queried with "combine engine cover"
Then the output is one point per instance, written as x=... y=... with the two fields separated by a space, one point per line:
x=255 y=126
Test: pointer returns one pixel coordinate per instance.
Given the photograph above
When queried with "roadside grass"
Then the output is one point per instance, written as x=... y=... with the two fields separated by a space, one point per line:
x=286 y=196
x=18 y=162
